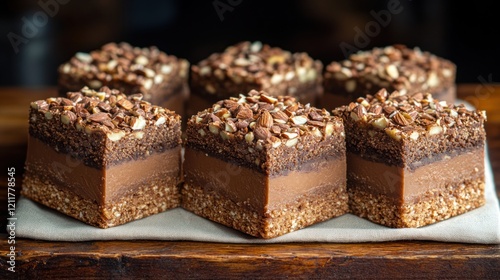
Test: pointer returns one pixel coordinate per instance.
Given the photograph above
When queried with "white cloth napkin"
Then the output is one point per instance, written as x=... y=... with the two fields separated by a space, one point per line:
x=481 y=225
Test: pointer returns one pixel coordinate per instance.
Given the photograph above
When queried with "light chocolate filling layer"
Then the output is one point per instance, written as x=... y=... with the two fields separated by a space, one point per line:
x=404 y=185
x=100 y=185
x=257 y=190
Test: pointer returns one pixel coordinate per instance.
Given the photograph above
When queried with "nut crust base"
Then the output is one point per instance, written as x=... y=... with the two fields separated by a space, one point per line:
x=434 y=205
x=308 y=210
x=155 y=197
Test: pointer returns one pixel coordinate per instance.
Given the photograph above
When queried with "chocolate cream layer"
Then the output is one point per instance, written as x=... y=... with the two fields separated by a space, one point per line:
x=408 y=185
x=100 y=185
x=257 y=190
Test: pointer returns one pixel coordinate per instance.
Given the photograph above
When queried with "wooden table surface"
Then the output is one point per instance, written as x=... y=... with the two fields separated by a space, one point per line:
x=110 y=259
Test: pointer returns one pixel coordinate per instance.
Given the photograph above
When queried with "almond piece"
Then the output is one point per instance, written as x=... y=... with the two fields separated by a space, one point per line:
x=115 y=136
x=434 y=129
x=249 y=137
x=262 y=133
x=291 y=142
x=265 y=120
x=414 y=135
x=400 y=119
x=137 y=123
x=394 y=133
x=244 y=113
x=213 y=128
x=289 y=135
x=268 y=99
x=380 y=123
x=299 y=120
x=125 y=104
x=392 y=71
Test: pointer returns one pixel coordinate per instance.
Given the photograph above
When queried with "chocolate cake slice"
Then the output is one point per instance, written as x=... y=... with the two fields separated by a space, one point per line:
x=265 y=165
x=397 y=67
x=247 y=66
x=413 y=161
x=161 y=78
x=103 y=157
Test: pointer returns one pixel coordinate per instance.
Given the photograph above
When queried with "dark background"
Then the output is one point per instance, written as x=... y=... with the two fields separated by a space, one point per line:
x=462 y=32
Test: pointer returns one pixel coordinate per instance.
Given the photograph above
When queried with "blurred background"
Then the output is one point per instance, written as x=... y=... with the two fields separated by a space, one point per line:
x=37 y=36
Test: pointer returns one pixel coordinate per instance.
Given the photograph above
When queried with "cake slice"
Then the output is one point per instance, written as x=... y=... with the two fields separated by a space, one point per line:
x=407 y=70
x=265 y=165
x=103 y=157
x=247 y=66
x=413 y=161
x=161 y=78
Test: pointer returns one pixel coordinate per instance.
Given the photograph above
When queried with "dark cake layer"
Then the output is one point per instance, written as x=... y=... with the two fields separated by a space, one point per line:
x=104 y=127
x=266 y=133
x=406 y=130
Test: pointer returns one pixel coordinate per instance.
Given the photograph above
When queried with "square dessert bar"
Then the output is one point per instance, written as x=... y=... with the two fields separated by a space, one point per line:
x=265 y=165
x=103 y=157
x=247 y=66
x=393 y=68
x=160 y=77
x=413 y=161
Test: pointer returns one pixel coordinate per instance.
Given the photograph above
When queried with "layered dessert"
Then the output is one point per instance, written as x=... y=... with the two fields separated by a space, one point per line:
x=103 y=157
x=393 y=68
x=161 y=78
x=265 y=165
x=246 y=66
x=413 y=161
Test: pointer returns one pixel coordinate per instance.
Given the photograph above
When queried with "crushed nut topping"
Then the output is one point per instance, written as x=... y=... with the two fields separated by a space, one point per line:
x=404 y=116
x=260 y=119
x=142 y=67
x=397 y=67
x=257 y=63
x=105 y=110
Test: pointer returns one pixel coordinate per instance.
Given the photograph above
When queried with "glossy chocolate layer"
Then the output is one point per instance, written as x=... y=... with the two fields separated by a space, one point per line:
x=403 y=185
x=100 y=185
x=256 y=190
